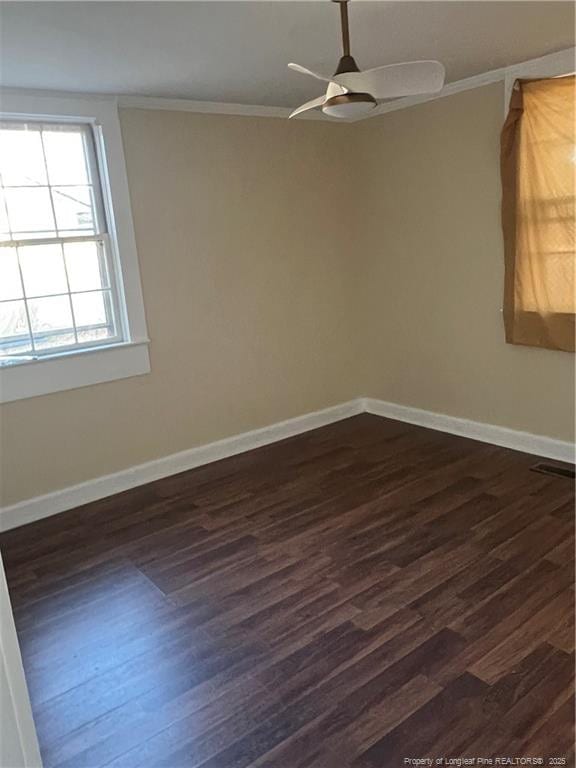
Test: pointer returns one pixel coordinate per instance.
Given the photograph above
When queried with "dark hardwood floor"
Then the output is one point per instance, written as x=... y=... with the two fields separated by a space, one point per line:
x=352 y=597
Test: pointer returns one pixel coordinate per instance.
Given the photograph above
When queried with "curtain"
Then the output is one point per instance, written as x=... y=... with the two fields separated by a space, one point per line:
x=538 y=166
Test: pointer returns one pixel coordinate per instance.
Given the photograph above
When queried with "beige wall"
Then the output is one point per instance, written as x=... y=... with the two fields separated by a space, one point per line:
x=290 y=266
x=246 y=281
x=431 y=291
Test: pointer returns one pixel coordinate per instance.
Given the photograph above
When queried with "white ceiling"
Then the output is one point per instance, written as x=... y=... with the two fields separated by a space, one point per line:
x=238 y=51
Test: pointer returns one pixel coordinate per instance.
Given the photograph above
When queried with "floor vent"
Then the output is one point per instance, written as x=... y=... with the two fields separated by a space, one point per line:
x=551 y=469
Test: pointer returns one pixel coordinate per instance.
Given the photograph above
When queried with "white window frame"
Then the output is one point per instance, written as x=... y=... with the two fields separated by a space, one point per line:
x=553 y=65
x=83 y=367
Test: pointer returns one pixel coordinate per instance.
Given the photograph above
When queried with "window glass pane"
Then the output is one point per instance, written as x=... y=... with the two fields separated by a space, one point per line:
x=14 y=336
x=16 y=347
x=86 y=266
x=54 y=340
x=30 y=211
x=43 y=270
x=95 y=334
x=10 y=284
x=65 y=157
x=90 y=309
x=21 y=157
x=74 y=208
x=4 y=228
x=49 y=315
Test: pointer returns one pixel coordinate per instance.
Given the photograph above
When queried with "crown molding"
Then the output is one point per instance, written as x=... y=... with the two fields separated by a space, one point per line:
x=203 y=107
x=551 y=65
x=171 y=105
x=215 y=108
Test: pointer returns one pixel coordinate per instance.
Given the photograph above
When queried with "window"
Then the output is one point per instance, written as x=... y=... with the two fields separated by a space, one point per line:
x=57 y=284
x=71 y=309
x=538 y=170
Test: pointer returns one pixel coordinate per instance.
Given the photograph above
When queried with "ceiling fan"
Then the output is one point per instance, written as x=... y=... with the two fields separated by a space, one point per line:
x=352 y=93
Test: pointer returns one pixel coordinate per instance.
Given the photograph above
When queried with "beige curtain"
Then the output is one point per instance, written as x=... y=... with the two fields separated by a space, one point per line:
x=538 y=165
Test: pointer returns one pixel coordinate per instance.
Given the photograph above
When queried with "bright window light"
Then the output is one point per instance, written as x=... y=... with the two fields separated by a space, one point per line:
x=58 y=285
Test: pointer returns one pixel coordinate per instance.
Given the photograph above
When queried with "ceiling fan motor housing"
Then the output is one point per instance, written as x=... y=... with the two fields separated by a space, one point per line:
x=349 y=105
x=346 y=64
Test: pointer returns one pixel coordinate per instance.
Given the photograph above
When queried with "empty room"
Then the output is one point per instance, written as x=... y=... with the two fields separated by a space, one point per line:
x=287 y=383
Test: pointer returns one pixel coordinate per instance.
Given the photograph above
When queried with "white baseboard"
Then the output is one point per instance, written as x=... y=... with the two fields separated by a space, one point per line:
x=526 y=442
x=75 y=495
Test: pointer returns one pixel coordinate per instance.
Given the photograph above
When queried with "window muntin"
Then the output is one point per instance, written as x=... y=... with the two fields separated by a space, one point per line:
x=58 y=290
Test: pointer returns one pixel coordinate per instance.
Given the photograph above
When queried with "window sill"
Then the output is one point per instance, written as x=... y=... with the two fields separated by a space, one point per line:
x=71 y=370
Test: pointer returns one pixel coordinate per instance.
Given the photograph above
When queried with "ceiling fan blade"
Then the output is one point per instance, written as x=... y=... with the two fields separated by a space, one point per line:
x=308 y=105
x=305 y=71
x=395 y=80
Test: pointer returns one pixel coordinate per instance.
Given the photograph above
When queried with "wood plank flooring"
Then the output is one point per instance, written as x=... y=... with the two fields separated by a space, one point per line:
x=361 y=594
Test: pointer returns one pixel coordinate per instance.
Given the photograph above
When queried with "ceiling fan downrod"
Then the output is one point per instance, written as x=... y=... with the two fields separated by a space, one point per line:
x=347 y=62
